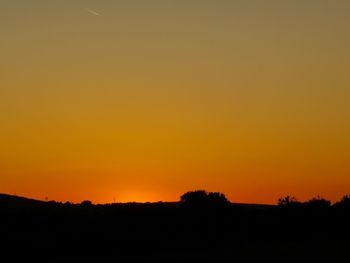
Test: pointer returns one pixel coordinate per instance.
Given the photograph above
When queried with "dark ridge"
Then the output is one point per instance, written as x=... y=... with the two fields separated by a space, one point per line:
x=201 y=226
x=18 y=200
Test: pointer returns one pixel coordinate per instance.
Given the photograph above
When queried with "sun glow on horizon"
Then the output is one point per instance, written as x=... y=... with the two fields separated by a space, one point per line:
x=145 y=100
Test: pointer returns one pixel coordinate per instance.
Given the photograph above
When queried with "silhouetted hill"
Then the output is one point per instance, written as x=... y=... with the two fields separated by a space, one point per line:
x=13 y=199
x=254 y=206
x=6 y=199
x=57 y=232
x=18 y=201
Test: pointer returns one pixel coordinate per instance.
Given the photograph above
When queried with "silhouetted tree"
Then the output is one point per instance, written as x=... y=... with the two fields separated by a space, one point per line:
x=194 y=198
x=217 y=199
x=200 y=199
x=86 y=203
x=344 y=202
x=318 y=203
x=287 y=201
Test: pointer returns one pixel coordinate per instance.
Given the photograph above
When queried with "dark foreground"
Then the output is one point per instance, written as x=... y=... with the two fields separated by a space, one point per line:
x=34 y=231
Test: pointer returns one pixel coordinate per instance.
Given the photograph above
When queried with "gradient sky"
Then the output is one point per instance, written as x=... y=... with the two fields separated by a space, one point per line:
x=144 y=100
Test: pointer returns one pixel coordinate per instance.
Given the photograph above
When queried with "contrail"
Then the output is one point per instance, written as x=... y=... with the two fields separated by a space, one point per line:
x=92 y=12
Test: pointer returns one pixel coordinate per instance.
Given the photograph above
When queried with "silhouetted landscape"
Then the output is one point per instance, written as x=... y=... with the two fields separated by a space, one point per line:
x=105 y=102
x=201 y=226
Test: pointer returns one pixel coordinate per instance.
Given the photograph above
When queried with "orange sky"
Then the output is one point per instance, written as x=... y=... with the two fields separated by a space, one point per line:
x=144 y=100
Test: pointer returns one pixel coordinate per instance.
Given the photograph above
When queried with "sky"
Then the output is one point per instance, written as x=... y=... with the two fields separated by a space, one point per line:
x=133 y=100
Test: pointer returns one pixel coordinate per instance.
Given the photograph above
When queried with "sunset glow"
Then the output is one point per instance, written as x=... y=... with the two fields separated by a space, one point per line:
x=118 y=101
